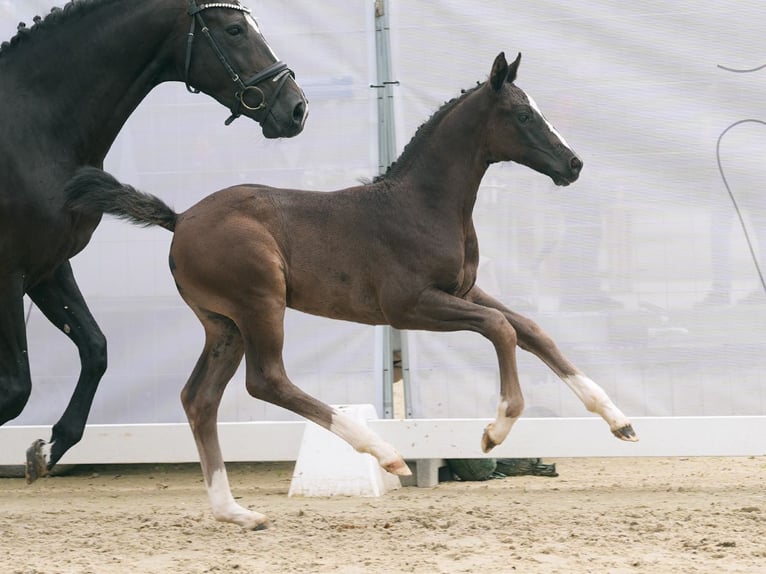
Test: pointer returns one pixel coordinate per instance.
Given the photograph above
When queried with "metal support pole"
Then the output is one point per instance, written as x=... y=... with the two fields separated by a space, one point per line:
x=394 y=355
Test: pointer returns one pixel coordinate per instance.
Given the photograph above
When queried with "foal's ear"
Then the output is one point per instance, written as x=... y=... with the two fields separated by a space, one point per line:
x=499 y=72
x=513 y=68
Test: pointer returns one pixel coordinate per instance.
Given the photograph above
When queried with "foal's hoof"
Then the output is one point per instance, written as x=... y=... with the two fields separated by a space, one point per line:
x=255 y=526
x=247 y=519
x=487 y=444
x=37 y=465
x=626 y=433
x=398 y=467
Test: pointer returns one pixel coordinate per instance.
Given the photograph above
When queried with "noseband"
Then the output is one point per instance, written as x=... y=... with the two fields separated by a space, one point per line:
x=249 y=95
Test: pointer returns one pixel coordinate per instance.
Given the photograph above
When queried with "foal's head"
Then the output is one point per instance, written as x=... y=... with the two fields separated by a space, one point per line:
x=519 y=132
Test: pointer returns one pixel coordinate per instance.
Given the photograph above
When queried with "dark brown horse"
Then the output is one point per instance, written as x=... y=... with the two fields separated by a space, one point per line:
x=67 y=85
x=401 y=250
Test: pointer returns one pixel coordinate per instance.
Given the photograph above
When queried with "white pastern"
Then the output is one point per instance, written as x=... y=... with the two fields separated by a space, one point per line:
x=45 y=450
x=533 y=103
x=596 y=400
x=499 y=430
x=225 y=509
x=219 y=491
x=362 y=439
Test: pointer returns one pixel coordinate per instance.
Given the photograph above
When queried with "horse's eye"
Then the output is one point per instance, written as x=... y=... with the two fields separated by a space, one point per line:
x=234 y=30
x=523 y=117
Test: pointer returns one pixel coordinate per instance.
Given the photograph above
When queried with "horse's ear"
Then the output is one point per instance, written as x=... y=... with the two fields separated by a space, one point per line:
x=513 y=68
x=499 y=72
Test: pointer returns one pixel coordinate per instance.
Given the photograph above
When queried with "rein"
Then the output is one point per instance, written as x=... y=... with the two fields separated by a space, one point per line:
x=248 y=89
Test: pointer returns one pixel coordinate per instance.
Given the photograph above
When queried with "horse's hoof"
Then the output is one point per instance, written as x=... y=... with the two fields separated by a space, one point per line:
x=398 y=467
x=626 y=433
x=261 y=524
x=247 y=519
x=487 y=444
x=36 y=466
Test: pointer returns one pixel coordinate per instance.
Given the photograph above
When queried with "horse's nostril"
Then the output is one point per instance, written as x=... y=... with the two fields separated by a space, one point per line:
x=575 y=163
x=299 y=112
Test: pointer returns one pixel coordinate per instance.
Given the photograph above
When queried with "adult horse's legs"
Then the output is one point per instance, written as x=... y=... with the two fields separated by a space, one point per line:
x=201 y=398
x=62 y=303
x=532 y=338
x=15 y=381
x=439 y=311
x=267 y=380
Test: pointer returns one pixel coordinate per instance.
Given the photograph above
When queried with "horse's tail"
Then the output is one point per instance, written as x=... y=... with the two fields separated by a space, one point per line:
x=94 y=190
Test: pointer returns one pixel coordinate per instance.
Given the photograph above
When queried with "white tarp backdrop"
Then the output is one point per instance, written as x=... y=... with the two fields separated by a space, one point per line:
x=639 y=270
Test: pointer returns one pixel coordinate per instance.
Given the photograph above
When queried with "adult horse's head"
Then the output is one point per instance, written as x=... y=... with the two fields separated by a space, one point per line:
x=228 y=58
x=519 y=132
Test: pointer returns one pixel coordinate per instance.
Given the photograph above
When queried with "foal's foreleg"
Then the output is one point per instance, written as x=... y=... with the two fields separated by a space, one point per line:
x=532 y=338
x=439 y=311
x=201 y=398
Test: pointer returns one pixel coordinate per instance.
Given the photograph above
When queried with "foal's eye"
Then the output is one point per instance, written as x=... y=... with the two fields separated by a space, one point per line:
x=234 y=30
x=523 y=117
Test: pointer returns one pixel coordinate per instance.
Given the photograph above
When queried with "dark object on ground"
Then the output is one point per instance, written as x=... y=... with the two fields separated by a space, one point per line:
x=487 y=468
x=525 y=466
x=472 y=468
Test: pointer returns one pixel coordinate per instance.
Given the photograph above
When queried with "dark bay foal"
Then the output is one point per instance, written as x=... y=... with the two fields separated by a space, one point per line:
x=401 y=250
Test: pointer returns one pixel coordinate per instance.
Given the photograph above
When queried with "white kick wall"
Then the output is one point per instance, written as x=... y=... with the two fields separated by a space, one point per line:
x=639 y=270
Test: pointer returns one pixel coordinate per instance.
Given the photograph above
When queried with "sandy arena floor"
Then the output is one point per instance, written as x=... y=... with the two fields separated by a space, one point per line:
x=600 y=515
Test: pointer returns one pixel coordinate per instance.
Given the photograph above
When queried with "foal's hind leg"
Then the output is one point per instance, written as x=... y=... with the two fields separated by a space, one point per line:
x=62 y=303
x=268 y=381
x=201 y=398
x=532 y=338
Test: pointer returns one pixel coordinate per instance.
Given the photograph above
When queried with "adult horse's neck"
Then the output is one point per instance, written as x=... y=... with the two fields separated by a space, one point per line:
x=86 y=73
x=445 y=161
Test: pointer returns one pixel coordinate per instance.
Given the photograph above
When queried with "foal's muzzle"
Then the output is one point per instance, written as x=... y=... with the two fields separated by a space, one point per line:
x=570 y=175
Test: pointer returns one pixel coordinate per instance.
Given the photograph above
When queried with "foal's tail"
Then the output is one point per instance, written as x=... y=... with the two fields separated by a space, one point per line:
x=94 y=190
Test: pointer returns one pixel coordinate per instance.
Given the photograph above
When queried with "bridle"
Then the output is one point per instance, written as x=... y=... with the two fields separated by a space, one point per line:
x=248 y=94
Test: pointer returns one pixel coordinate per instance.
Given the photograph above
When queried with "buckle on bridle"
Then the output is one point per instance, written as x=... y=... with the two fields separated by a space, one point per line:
x=254 y=90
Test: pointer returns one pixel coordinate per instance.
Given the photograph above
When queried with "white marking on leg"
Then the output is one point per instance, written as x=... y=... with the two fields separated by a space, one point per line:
x=498 y=430
x=362 y=439
x=219 y=493
x=534 y=106
x=596 y=400
x=225 y=508
x=45 y=450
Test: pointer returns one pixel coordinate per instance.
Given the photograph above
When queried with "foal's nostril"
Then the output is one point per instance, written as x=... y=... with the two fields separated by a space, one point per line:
x=576 y=164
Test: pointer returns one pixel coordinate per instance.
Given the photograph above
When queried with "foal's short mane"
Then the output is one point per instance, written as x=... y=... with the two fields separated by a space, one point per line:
x=424 y=131
x=55 y=16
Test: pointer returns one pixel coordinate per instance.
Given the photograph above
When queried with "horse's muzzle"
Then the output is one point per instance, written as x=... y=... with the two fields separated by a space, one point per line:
x=286 y=118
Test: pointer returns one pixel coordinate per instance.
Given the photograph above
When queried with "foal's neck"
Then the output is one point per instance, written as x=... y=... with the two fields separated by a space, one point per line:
x=447 y=166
